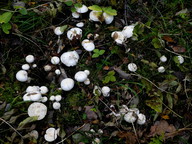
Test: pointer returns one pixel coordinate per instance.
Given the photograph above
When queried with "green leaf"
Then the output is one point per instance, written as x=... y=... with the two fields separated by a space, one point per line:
x=63 y=28
x=157 y=43
x=101 y=52
x=170 y=100
x=69 y=3
x=106 y=79
x=155 y=103
x=28 y=120
x=23 y=11
x=112 y=78
x=111 y=73
x=95 y=55
x=95 y=8
x=96 y=50
x=78 y=5
x=110 y=11
x=6 y=27
x=73 y=9
x=5 y=17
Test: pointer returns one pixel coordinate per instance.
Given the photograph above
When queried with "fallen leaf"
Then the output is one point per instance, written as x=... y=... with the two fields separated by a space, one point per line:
x=168 y=39
x=129 y=136
x=165 y=116
x=106 y=68
x=178 y=49
x=91 y=115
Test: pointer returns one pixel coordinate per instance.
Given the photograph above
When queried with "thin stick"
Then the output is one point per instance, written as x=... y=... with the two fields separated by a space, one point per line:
x=177 y=53
x=135 y=132
x=11 y=127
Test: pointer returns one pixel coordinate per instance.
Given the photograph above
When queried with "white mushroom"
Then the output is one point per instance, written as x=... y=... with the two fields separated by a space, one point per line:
x=87 y=72
x=132 y=67
x=31 y=89
x=95 y=15
x=105 y=91
x=29 y=58
x=47 y=68
x=55 y=60
x=58 y=98
x=26 y=97
x=135 y=110
x=50 y=134
x=75 y=15
x=58 y=31
x=80 y=76
x=25 y=67
x=70 y=58
x=108 y=18
x=118 y=37
x=87 y=81
x=22 y=76
x=141 y=119
x=82 y=9
x=34 y=134
x=44 y=99
x=37 y=109
x=43 y=89
x=128 y=31
x=180 y=59
x=161 y=69
x=163 y=58
x=74 y=33
x=130 y=117
x=34 y=65
x=52 y=98
x=35 y=96
x=56 y=105
x=67 y=84
x=96 y=90
x=88 y=45
x=80 y=24
x=96 y=141
x=57 y=72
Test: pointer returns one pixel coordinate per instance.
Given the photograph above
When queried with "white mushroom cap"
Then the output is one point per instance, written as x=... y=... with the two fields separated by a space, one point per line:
x=34 y=134
x=163 y=58
x=88 y=45
x=128 y=31
x=108 y=18
x=105 y=91
x=37 y=109
x=22 y=76
x=74 y=33
x=80 y=24
x=55 y=60
x=87 y=81
x=70 y=58
x=47 y=67
x=141 y=119
x=96 y=90
x=50 y=135
x=58 y=98
x=57 y=72
x=31 y=89
x=132 y=67
x=35 y=96
x=82 y=9
x=118 y=37
x=87 y=72
x=180 y=59
x=34 y=65
x=56 y=105
x=58 y=31
x=52 y=98
x=44 y=99
x=75 y=15
x=30 y=58
x=161 y=69
x=26 y=97
x=67 y=84
x=43 y=89
x=130 y=117
x=94 y=15
x=80 y=76
x=25 y=67
x=135 y=110
x=96 y=141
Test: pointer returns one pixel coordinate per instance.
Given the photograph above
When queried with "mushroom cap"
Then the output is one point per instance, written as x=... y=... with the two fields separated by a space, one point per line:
x=37 y=109
x=34 y=65
x=80 y=76
x=118 y=37
x=74 y=33
x=161 y=69
x=58 y=98
x=25 y=67
x=132 y=67
x=43 y=89
x=56 y=105
x=75 y=15
x=180 y=59
x=57 y=72
x=130 y=117
x=26 y=97
x=108 y=18
x=69 y=58
x=58 y=31
x=29 y=58
x=67 y=84
x=128 y=31
x=105 y=91
x=141 y=119
x=22 y=76
x=44 y=99
x=35 y=96
x=135 y=110
x=87 y=81
x=163 y=58
x=82 y=9
x=94 y=15
x=80 y=24
x=88 y=45
x=50 y=134
x=52 y=98
x=47 y=67
x=31 y=89
x=55 y=60
x=34 y=134
x=87 y=72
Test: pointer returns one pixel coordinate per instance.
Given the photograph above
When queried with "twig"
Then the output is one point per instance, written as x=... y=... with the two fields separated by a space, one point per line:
x=11 y=127
x=177 y=53
x=135 y=132
x=125 y=12
x=38 y=6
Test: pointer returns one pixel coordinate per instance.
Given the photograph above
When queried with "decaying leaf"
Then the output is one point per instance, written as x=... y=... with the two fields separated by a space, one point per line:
x=168 y=39
x=91 y=115
x=129 y=136
x=178 y=49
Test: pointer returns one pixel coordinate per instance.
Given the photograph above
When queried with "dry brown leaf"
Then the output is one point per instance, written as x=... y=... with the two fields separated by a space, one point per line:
x=178 y=49
x=106 y=68
x=168 y=39
x=129 y=136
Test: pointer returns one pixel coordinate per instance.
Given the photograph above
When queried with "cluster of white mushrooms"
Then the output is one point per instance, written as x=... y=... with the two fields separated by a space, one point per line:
x=105 y=91
x=56 y=101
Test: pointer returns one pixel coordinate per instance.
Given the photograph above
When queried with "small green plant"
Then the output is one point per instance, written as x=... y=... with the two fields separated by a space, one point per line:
x=4 y=21
x=97 y=53
x=110 y=77
x=107 y=10
x=157 y=140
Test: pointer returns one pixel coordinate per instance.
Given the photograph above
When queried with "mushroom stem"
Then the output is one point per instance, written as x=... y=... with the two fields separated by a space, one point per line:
x=60 y=43
x=63 y=74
